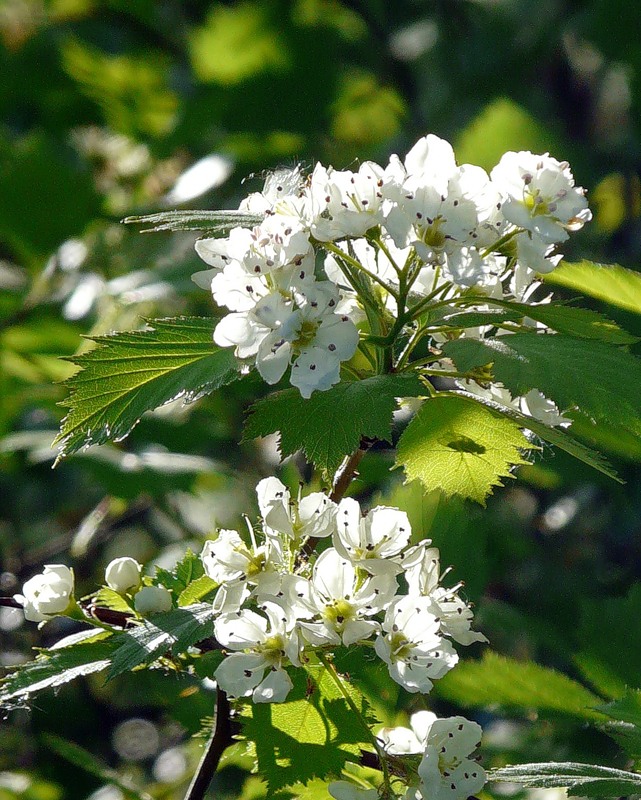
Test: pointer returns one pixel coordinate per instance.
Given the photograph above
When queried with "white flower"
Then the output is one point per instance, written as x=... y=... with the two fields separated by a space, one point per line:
x=228 y=558
x=540 y=195
x=345 y=203
x=344 y=601
x=445 y=771
x=152 y=600
x=313 y=515
x=412 y=646
x=47 y=594
x=267 y=645
x=123 y=574
x=372 y=541
x=422 y=572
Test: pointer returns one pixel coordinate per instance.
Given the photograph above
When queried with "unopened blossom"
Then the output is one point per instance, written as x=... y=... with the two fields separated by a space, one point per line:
x=412 y=646
x=344 y=603
x=47 y=594
x=264 y=645
x=312 y=515
x=539 y=195
x=372 y=541
x=152 y=600
x=123 y=574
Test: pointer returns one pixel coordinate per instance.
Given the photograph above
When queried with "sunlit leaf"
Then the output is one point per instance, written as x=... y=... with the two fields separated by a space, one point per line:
x=460 y=447
x=132 y=372
x=607 y=282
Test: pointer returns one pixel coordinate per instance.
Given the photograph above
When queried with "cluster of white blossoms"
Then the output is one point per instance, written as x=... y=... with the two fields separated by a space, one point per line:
x=274 y=608
x=337 y=246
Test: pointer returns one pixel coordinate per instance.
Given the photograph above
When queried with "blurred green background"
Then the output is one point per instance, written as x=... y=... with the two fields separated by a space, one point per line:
x=114 y=107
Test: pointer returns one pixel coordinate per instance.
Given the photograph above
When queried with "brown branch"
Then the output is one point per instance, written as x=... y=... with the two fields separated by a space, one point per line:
x=220 y=740
x=9 y=602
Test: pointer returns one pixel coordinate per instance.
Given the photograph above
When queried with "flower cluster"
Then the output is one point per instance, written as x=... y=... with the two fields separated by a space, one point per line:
x=375 y=247
x=275 y=608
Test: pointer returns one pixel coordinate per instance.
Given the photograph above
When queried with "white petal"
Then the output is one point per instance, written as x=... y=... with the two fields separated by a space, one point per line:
x=274 y=689
x=240 y=673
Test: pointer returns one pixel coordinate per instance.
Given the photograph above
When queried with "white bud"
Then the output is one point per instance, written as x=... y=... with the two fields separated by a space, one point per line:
x=47 y=594
x=123 y=574
x=152 y=600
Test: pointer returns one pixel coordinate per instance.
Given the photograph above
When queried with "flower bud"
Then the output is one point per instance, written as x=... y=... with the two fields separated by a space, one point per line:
x=47 y=594
x=123 y=574
x=152 y=600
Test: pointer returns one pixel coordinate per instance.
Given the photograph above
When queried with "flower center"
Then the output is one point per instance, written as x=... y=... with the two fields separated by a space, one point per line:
x=338 y=613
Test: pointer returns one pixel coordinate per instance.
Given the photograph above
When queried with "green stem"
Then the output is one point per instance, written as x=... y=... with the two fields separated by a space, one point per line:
x=332 y=248
x=382 y=756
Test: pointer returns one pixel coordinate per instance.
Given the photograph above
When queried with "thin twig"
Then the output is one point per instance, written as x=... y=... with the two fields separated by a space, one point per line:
x=220 y=740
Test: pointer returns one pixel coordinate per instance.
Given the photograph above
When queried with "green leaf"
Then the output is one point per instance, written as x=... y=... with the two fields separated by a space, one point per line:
x=523 y=685
x=189 y=568
x=56 y=667
x=197 y=590
x=330 y=424
x=312 y=735
x=556 y=436
x=131 y=372
x=460 y=447
x=574 y=321
x=607 y=282
x=107 y=598
x=603 y=382
x=626 y=726
x=177 y=629
x=214 y=223
x=586 y=780
x=87 y=761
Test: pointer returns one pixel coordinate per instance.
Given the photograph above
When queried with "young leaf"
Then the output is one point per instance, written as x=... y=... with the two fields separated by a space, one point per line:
x=214 y=223
x=56 y=667
x=178 y=629
x=460 y=447
x=188 y=569
x=608 y=282
x=132 y=372
x=312 y=735
x=497 y=680
x=603 y=382
x=197 y=590
x=330 y=424
x=588 y=780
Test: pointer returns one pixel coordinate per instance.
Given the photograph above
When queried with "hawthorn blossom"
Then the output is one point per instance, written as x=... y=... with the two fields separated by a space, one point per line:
x=152 y=600
x=445 y=771
x=343 y=601
x=228 y=558
x=312 y=515
x=539 y=195
x=264 y=645
x=422 y=572
x=371 y=542
x=412 y=646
